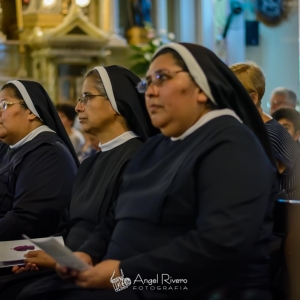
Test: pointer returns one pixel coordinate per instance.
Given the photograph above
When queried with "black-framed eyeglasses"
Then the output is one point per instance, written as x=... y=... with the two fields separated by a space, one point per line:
x=84 y=98
x=5 y=104
x=159 y=78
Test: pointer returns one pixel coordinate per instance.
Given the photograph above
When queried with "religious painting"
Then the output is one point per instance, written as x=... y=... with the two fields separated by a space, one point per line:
x=70 y=80
x=139 y=12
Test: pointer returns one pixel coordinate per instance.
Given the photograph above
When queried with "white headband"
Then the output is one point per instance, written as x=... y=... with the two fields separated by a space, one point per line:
x=193 y=67
x=108 y=88
x=25 y=96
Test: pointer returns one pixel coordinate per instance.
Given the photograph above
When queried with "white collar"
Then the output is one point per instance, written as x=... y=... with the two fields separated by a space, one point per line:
x=31 y=136
x=119 y=140
x=206 y=118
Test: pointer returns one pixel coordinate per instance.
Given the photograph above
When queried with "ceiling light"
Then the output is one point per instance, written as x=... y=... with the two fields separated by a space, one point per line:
x=83 y=3
x=49 y=3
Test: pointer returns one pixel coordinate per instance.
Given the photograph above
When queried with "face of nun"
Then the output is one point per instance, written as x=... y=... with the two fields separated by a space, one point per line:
x=96 y=116
x=176 y=104
x=16 y=121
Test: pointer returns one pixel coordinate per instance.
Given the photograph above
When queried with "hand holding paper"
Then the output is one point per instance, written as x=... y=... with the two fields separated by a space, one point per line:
x=10 y=256
x=62 y=255
x=66 y=273
x=99 y=276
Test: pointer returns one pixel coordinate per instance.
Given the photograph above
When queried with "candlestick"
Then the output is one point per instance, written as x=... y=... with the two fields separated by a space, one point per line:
x=19 y=12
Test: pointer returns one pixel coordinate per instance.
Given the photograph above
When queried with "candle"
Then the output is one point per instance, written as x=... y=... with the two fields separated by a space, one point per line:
x=19 y=12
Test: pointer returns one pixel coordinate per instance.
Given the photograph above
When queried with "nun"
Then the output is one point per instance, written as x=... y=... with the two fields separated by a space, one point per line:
x=111 y=109
x=38 y=163
x=193 y=218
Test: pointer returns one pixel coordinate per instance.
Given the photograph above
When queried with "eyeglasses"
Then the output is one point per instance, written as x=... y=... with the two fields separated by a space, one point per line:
x=4 y=104
x=84 y=98
x=159 y=78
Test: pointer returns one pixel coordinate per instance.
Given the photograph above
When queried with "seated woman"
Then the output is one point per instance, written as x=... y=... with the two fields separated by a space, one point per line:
x=193 y=218
x=285 y=150
x=39 y=167
x=111 y=109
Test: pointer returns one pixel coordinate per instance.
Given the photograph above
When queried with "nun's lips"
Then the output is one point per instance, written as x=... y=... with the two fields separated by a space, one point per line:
x=82 y=119
x=153 y=108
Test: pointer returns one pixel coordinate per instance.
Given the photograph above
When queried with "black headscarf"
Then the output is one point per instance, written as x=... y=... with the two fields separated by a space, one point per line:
x=222 y=87
x=120 y=86
x=34 y=93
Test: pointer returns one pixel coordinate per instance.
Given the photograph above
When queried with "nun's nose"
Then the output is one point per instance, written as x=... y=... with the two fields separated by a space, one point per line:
x=79 y=107
x=152 y=90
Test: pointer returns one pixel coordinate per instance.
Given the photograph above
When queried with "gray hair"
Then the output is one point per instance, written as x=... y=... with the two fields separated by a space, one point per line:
x=290 y=96
x=97 y=82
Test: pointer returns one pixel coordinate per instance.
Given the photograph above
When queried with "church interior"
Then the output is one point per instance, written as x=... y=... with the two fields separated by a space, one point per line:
x=55 y=41
x=171 y=165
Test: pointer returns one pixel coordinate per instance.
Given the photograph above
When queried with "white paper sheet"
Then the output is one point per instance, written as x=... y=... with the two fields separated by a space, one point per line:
x=63 y=255
x=10 y=257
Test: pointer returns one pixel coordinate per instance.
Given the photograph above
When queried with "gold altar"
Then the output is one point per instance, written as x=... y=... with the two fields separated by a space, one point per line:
x=56 y=45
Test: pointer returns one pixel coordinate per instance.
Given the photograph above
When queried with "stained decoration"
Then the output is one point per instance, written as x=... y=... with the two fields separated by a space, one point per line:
x=272 y=12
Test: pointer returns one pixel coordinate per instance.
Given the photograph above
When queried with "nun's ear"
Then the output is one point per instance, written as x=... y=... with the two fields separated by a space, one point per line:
x=31 y=116
x=202 y=98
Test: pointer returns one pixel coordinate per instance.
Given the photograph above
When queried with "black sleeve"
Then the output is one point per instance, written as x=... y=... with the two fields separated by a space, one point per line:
x=65 y=224
x=96 y=245
x=231 y=206
x=43 y=189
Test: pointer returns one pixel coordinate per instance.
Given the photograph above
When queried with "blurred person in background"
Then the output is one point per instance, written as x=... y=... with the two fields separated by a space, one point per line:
x=67 y=114
x=290 y=119
x=285 y=150
x=90 y=147
x=282 y=97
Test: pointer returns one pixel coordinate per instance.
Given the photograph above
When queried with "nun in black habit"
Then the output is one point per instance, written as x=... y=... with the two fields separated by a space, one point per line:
x=111 y=109
x=38 y=163
x=193 y=219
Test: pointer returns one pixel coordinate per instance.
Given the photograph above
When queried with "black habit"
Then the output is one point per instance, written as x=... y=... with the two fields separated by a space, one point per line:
x=95 y=190
x=35 y=187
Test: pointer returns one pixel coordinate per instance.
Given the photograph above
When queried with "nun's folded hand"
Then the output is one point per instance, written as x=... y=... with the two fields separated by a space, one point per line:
x=26 y=268
x=100 y=275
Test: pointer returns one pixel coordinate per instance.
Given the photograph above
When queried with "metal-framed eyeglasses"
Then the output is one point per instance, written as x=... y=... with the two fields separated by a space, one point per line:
x=84 y=98
x=159 y=78
x=5 y=104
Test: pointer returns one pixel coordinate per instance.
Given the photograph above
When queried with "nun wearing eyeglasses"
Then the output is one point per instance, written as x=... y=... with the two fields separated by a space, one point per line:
x=111 y=109
x=193 y=218
x=38 y=163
